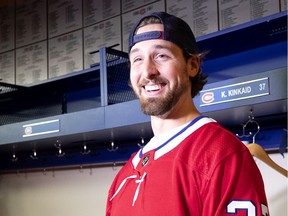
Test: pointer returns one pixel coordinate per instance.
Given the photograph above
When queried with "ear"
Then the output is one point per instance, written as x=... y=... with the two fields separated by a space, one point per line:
x=193 y=66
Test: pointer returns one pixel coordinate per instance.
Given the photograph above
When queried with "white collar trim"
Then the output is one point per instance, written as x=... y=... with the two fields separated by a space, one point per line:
x=156 y=141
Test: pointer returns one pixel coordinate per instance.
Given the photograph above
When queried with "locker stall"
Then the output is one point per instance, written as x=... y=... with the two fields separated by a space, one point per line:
x=89 y=120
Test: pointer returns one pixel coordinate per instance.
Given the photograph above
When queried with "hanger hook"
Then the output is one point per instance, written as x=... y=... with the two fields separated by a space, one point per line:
x=142 y=143
x=34 y=156
x=58 y=146
x=113 y=148
x=251 y=120
x=85 y=150
x=14 y=157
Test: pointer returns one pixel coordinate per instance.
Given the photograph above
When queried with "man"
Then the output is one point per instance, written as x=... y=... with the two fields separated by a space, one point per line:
x=192 y=166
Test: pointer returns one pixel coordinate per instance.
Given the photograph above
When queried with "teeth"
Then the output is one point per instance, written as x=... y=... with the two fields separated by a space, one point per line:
x=152 y=87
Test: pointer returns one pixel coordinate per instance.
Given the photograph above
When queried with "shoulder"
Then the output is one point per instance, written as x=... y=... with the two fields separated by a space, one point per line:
x=212 y=138
x=210 y=146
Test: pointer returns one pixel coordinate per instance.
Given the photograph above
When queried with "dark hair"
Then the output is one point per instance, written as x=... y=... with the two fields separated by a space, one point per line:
x=200 y=79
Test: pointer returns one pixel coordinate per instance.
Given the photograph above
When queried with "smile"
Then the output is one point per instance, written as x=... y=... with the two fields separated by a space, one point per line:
x=152 y=87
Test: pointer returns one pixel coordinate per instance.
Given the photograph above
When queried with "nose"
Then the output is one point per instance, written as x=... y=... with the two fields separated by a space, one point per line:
x=150 y=70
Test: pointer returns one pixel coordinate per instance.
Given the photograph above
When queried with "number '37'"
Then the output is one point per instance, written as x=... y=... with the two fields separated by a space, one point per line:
x=248 y=206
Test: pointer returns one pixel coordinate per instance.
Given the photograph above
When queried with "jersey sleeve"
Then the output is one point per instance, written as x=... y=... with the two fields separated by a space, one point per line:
x=235 y=188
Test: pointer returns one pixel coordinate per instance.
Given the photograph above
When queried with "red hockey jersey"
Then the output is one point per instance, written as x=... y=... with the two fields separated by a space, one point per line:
x=199 y=169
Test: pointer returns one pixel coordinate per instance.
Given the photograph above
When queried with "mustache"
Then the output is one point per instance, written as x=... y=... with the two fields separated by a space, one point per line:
x=155 y=80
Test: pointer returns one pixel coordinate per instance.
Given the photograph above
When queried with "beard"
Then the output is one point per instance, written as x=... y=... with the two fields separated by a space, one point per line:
x=158 y=106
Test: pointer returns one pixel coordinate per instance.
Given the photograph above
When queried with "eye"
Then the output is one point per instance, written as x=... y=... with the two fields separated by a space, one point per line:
x=136 y=59
x=161 y=57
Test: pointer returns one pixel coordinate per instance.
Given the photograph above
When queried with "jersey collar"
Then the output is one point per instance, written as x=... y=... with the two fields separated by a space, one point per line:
x=164 y=143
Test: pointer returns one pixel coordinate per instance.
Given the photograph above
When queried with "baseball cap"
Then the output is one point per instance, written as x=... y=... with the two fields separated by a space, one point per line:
x=176 y=31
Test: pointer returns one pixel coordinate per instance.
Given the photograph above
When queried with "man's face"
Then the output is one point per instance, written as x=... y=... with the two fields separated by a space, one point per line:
x=158 y=74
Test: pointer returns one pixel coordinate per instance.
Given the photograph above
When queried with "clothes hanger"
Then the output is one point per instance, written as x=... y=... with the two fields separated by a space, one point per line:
x=257 y=150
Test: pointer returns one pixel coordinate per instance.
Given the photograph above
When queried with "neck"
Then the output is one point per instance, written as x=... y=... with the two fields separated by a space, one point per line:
x=174 y=118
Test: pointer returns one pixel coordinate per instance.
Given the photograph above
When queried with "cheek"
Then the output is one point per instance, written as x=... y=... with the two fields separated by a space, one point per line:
x=134 y=79
x=180 y=76
x=173 y=73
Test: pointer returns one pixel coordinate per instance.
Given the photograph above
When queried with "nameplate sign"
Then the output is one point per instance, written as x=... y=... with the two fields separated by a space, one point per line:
x=40 y=128
x=235 y=92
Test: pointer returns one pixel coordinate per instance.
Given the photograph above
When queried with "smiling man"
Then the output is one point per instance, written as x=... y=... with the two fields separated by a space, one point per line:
x=192 y=166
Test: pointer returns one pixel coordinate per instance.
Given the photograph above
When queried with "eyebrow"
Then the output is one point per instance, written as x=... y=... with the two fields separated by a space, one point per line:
x=133 y=51
x=156 y=46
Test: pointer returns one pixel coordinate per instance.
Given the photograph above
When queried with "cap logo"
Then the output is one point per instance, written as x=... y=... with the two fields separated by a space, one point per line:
x=148 y=36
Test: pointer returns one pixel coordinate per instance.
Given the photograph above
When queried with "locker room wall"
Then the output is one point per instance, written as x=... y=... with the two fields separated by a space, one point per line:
x=84 y=191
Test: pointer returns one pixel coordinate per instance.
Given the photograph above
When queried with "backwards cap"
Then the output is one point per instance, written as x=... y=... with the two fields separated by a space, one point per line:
x=176 y=31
